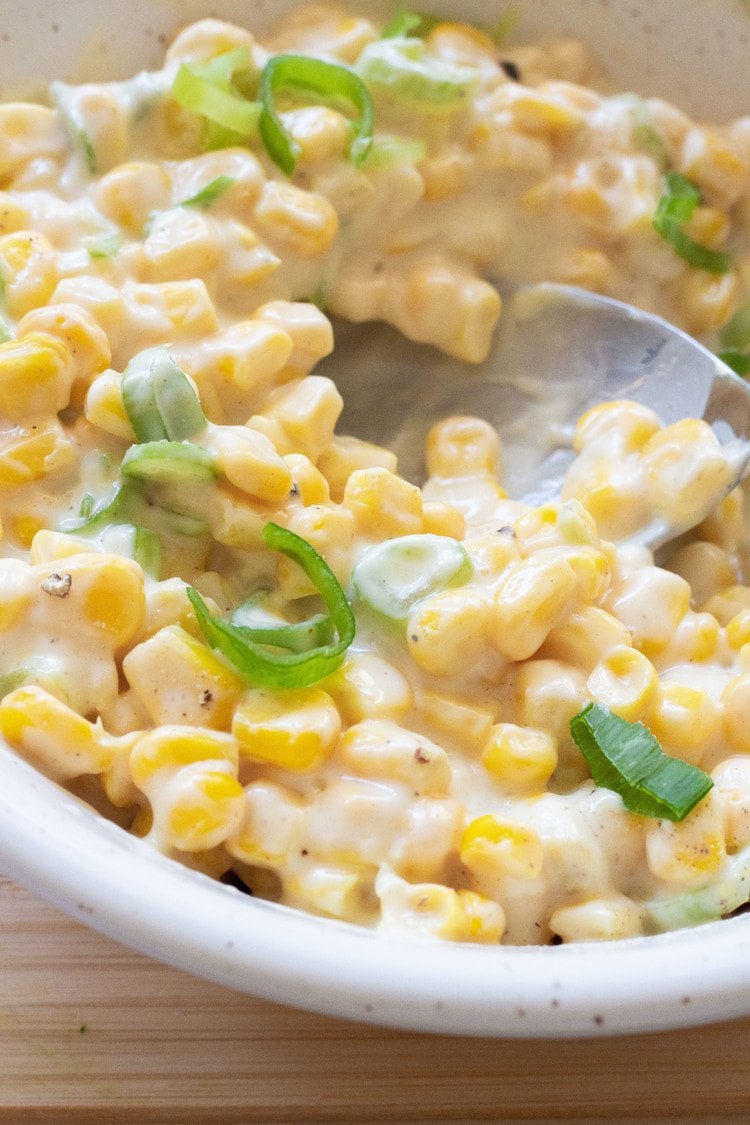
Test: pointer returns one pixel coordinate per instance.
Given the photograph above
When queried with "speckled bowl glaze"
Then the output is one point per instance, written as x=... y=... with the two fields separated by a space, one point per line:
x=693 y=52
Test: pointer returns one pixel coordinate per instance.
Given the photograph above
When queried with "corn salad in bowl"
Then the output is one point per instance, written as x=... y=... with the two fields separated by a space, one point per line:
x=238 y=634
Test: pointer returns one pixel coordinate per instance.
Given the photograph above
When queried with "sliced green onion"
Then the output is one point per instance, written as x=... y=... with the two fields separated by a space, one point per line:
x=209 y=194
x=300 y=74
x=389 y=151
x=724 y=895
x=210 y=90
x=402 y=68
x=159 y=399
x=738 y=361
x=63 y=97
x=147 y=551
x=401 y=23
x=673 y=211
x=394 y=576
x=114 y=508
x=169 y=463
x=265 y=666
x=736 y=332
x=626 y=758
x=88 y=503
x=644 y=132
x=105 y=246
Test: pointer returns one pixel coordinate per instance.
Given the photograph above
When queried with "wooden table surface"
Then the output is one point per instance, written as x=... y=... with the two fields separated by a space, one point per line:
x=92 y=1032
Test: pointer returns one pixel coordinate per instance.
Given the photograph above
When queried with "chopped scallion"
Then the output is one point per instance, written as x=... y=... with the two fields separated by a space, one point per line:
x=209 y=194
x=212 y=90
x=305 y=76
x=169 y=463
x=159 y=399
x=673 y=211
x=626 y=758
x=389 y=151
x=105 y=246
x=255 y=652
x=394 y=576
x=401 y=23
x=403 y=68
x=63 y=97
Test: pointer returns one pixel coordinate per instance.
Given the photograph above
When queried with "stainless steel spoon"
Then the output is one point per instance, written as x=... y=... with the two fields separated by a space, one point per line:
x=559 y=351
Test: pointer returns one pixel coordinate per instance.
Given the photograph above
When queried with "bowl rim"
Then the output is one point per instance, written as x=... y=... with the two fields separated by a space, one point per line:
x=120 y=885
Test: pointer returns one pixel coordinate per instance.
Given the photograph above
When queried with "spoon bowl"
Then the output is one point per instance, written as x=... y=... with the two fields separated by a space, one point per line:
x=558 y=352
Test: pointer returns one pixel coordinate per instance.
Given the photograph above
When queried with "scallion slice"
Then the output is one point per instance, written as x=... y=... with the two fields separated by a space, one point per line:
x=402 y=23
x=169 y=463
x=738 y=361
x=255 y=652
x=300 y=74
x=210 y=90
x=402 y=68
x=735 y=341
x=160 y=401
x=673 y=211
x=208 y=195
x=394 y=576
x=389 y=151
x=626 y=758
x=63 y=97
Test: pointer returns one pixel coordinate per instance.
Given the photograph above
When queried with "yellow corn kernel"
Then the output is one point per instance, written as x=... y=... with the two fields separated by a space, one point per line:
x=688 y=851
x=296 y=729
x=651 y=603
x=383 y=504
x=17 y=590
x=203 y=807
x=24 y=528
x=436 y=910
x=498 y=147
x=625 y=426
x=550 y=694
x=179 y=680
x=320 y=132
x=249 y=354
x=368 y=687
x=605 y=918
x=463 y=446
x=271 y=818
x=381 y=749
x=538 y=111
x=344 y=455
x=707 y=568
x=696 y=639
x=625 y=681
x=75 y=327
x=249 y=461
x=307 y=411
x=110 y=589
x=735 y=701
x=29 y=265
x=442 y=519
x=105 y=409
x=738 y=629
x=612 y=494
x=492 y=555
x=442 y=303
x=727 y=603
x=186 y=306
x=686 y=470
x=331 y=532
x=131 y=192
x=333 y=891
x=236 y=521
x=103 y=301
x=731 y=780
x=588 y=269
x=308 y=483
x=326 y=28
x=33 y=449
x=51 y=734
x=530 y=600
x=685 y=720
x=447 y=632
x=718 y=168
x=35 y=376
x=447 y=174
x=461 y=43
x=706 y=300
x=171 y=748
x=490 y=846
x=566 y=525
x=246 y=262
x=585 y=638
x=27 y=130
x=430 y=839
x=302 y=222
x=180 y=244
x=465 y=723
x=13 y=216
x=522 y=758
x=203 y=39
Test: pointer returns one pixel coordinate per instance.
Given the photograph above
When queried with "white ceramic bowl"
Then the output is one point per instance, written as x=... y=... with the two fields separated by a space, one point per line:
x=107 y=879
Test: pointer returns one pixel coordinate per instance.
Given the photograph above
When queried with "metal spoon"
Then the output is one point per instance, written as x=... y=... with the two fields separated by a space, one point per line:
x=559 y=351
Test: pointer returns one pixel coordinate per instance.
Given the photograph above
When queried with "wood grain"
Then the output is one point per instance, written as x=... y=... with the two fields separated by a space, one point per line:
x=91 y=1032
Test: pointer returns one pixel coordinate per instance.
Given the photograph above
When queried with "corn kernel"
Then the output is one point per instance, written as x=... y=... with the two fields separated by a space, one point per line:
x=33 y=449
x=368 y=687
x=306 y=410
x=171 y=748
x=179 y=680
x=380 y=748
x=461 y=721
x=296 y=729
x=383 y=504
x=30 y=267
x=272 y=816
x=130 y=193
x=187 y=308
x=625 y=682
x=530 y=600
x=198 y=809
x=463 y=446
x=27 y=130
x=447 y=632
x=501 y=848
x=249 y=461
x=35 y=376
x=302 y=222
x=105 y=409
x=604 y=918
x=521 y=758
x=685 y=720
x=688 y=851
x=345 y=455
x=55 y=737
x=308 y=482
